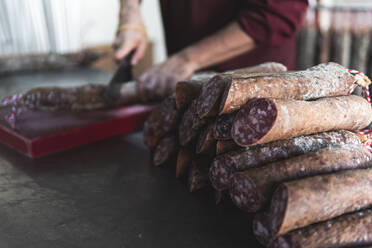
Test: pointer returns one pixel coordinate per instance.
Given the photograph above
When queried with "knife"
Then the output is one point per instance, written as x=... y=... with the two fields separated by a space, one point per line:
x=121 y=88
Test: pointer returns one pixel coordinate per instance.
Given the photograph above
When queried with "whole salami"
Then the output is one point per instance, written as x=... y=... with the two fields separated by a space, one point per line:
x=212 y=91
x=251 y=190
x=82 y=98
x=349 y=230
x=206 y=143
x=165 y=149
x=222 y=126
x=240 y=160
x=306 y=201
x=264 y=120
x=323 y=80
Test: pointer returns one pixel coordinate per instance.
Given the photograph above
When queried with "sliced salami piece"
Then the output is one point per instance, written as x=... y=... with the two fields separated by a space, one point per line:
x=243 y=159
x=185 y=130
x=184 y=158
x=223 y=146
x=323 y=80
x=306 y=201
x=212 y=91
x=264 y=120
x=349 y=230
x=206 y=143
x=251 y=190
x=163 y=120
x=165 y=149
x=198 y=174
x=222 y=126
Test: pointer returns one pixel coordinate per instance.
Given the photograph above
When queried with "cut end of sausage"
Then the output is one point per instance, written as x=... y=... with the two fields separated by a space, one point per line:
x=198 y=176
x=210 y=96
x=222 y=127
x=164 y=150
x=253 y=121
x=186 y=132
x=278 y=208
x=220 y=172
x=261 y=228
x=244 y=194
x=203 y=145
x=281 y=242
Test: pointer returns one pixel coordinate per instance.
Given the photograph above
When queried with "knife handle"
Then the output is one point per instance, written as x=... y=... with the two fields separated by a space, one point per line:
x=123 y=72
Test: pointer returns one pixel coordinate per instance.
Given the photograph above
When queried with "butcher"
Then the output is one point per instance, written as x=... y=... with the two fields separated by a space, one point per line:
x=215 y=35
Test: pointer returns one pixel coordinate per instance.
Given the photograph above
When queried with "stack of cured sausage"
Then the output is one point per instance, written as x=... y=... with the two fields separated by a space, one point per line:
x=284 y=145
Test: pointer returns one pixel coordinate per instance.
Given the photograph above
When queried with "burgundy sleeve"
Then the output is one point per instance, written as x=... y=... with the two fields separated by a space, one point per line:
x=271 y=22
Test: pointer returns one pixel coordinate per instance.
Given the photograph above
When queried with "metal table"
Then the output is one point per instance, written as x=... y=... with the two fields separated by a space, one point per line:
x=105 y=194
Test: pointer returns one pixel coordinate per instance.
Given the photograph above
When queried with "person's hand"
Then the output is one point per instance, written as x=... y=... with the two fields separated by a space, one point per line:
x=132 y=36
x=160 y=80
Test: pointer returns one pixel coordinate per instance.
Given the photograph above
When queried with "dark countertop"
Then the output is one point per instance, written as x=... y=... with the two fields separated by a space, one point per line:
x=106 y=194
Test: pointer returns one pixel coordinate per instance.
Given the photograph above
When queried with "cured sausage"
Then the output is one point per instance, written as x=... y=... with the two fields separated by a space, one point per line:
x=186 y=131
x=264 y=120
x=206 y=143
x=349 y=230
x=240 y=160
x=261 y=228
x=223 y=146
x=186 y=91
x=184 y=158
x=198 y=123
x=198 y=174
x=306 y=201
x=222 y=126
x=149 y=134
x=165 y=149
x=323 y=80
x=82 y=98
x=211 y=92
x=250 y=190
x=163 y=120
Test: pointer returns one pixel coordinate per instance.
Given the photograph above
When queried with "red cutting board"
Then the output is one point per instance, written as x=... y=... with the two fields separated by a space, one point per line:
x=39 y=133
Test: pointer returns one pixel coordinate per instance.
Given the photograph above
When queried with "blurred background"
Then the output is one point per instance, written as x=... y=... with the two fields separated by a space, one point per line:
x=333 y=30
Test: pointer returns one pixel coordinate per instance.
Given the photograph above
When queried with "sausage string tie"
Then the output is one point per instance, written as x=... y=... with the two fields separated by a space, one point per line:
x=15 y=110
x=363 y=81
